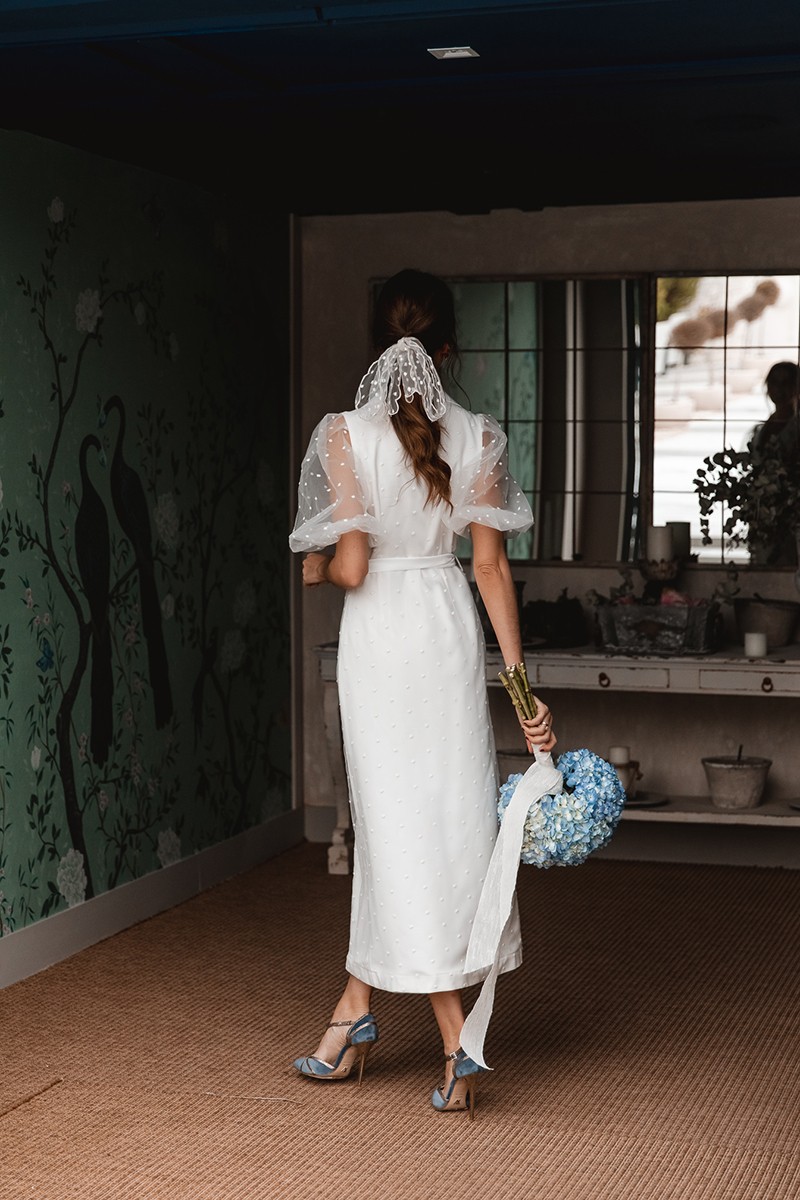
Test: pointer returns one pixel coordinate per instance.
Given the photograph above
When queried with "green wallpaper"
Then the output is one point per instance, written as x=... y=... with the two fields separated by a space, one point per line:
x=144 y=627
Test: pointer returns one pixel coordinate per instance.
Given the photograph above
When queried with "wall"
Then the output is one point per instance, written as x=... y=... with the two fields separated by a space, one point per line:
x=144 y=664
x=339 y=257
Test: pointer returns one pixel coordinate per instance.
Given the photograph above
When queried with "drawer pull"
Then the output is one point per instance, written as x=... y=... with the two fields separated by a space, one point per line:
x=766 y=684
x=605 y=682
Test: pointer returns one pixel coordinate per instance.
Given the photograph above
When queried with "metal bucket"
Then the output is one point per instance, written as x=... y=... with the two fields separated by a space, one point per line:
x=735 y=783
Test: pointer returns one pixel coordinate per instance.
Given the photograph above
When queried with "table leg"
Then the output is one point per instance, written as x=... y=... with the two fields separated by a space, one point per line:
x=340 y=851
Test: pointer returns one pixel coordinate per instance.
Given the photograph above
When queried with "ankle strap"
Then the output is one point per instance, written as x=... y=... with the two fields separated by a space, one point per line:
x=334 y=1024
x=452 y=1057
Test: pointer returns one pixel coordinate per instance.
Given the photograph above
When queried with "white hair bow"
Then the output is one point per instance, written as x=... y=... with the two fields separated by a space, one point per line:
x=405 y=369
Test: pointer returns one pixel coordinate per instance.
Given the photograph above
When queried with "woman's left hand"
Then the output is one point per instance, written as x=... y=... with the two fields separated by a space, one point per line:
x=539 y=733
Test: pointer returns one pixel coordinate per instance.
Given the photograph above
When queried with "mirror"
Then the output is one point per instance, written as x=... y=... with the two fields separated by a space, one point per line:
x=726 y=353
x=612 y=391
x=558 y=362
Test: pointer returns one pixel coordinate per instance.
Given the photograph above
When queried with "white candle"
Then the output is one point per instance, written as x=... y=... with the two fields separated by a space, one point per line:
x=755 y=645
x=681 y=538
x=619 y=755
x=659 y=543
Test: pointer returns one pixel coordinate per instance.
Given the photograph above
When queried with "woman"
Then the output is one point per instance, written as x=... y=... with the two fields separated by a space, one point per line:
x=775 y=444
x=392 y=483
x=782 y=385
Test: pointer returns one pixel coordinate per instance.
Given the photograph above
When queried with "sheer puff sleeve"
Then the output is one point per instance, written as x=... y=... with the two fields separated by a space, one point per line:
x=330 y=498
x=482 y=490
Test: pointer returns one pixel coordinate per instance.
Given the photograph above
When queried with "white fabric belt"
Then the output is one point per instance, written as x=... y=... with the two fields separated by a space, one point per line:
x=411 y=564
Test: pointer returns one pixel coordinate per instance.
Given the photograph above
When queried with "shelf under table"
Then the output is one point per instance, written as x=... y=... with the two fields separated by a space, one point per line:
x=698 y=810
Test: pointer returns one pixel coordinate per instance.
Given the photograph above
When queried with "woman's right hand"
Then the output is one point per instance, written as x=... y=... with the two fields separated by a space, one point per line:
x=538 y=732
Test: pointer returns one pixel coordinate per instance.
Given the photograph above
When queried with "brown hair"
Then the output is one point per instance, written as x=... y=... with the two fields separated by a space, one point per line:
x=416 y=304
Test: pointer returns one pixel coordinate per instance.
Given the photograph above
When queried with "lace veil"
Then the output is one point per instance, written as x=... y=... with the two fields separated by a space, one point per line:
x=405 y=369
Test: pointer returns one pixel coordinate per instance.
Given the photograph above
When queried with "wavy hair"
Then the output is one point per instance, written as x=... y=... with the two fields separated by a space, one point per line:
x=415 y=304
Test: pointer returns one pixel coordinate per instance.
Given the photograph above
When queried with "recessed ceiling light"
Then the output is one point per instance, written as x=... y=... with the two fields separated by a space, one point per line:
x=453 y=52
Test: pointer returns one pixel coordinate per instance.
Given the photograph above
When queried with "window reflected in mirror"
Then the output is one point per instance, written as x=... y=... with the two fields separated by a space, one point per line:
x=558 y=363
x=716 y=338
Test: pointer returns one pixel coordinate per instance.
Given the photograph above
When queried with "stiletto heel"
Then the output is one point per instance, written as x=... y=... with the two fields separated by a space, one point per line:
x=472 y=1088
x=362 y=1050
x=461 y=1094
x=361 y=1036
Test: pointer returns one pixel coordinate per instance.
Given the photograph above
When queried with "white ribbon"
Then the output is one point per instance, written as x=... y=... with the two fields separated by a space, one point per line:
x=494 y=907
x=404 y=370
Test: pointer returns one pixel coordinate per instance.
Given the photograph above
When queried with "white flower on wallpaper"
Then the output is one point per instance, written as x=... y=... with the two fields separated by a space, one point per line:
x=168 y=606
x=174 y=348
x=140 y=313
x=36 y=757
x=88 y=311
x=168 y=522
x=55 y=210
x=244 y=604
x=232 y=653
x=71 y=878
x=169 y=847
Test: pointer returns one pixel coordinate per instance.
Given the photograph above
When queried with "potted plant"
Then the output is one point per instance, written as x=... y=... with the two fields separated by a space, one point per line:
x=759 y=490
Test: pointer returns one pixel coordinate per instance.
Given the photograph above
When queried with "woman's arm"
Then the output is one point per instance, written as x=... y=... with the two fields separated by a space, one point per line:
x=348 y=566
x=496 y=586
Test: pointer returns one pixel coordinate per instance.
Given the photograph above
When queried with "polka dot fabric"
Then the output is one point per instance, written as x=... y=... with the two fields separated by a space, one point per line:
x=418 y=741
x=330 y=498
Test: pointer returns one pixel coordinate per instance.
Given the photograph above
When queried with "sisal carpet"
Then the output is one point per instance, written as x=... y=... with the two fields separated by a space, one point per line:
x=646 y=1050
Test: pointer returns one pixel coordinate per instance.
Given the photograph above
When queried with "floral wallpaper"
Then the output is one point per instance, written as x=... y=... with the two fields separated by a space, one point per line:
x=144 y=664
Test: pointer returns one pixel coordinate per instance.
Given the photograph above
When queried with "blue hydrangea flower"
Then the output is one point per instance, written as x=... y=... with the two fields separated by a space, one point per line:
x=564 y=830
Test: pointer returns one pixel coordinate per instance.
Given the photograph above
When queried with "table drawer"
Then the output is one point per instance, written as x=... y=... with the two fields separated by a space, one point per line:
x=752 y=683
x=619 y=677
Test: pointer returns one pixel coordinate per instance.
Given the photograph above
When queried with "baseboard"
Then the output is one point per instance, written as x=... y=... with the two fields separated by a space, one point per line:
x=320 y=822
x=38 y=946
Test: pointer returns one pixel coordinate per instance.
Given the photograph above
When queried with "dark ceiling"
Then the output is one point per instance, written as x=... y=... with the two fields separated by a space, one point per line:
x=339 y=107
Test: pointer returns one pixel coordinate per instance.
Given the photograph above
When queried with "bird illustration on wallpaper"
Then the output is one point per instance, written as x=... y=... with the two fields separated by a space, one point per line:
x=80 y=594
x=133 y=514
x=154 y=604
x=93 y=556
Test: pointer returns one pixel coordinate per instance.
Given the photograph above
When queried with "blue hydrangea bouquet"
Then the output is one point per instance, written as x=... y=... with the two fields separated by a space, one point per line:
x=565 y=827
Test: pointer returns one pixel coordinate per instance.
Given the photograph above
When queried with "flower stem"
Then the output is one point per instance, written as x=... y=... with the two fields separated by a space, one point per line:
x=515 y=681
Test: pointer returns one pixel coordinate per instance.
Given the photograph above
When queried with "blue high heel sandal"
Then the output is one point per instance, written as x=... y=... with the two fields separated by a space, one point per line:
x=460 y=1096
x=361 y=1037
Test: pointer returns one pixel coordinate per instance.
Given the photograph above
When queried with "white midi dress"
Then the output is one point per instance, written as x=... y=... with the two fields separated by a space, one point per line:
x=418 y=740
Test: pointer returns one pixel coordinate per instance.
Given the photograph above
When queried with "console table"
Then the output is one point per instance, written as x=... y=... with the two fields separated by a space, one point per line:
x=727 y=672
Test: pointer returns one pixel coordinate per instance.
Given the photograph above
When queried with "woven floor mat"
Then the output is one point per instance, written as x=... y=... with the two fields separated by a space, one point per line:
x=175 y=1147
x=19 y=1086
x=646 y=1050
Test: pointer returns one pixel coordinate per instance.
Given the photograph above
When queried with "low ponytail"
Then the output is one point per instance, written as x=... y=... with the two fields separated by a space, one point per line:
x=416 y=304
x=421 y=439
